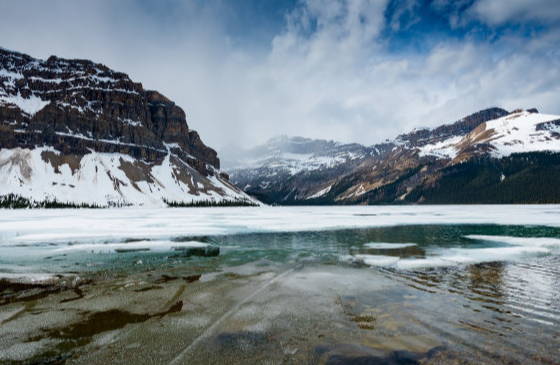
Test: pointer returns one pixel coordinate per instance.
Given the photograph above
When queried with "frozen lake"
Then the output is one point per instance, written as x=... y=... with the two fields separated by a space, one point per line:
x=28 y=236
x=423 y=284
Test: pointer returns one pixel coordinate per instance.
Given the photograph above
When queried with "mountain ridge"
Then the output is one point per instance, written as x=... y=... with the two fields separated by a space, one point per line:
x=398 y=171
x=77 y=131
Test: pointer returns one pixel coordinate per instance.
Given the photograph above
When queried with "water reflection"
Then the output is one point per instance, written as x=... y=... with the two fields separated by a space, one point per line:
x=499 y=311
x=526 y=288
x=400 y=252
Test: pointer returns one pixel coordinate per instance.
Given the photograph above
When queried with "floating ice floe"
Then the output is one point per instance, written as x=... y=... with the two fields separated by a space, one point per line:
x=388 y=246
x=28 y=277
x=518 y=241
x=153 y=246
x=443 y=257
x=376 y=260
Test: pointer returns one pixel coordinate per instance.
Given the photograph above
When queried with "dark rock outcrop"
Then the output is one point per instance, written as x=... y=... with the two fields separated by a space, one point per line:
x=463 y=126
x=89 y=105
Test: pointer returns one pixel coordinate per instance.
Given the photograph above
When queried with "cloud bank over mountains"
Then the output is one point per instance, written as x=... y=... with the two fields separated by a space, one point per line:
x=351 y=70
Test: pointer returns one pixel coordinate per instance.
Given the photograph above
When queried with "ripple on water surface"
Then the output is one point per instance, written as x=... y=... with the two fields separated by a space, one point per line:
x=458 y=284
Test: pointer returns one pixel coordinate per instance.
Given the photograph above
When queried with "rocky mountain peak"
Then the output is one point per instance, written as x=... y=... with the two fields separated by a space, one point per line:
x=465 y=125
x=81 y=103
x=77 y=107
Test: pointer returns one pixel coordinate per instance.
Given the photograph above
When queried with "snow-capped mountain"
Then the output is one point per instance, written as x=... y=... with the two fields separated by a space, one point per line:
x=289 y=156
x=296 y=154
x=518 y=132
x=284 y=160
x=76 y=132
x=491 y=156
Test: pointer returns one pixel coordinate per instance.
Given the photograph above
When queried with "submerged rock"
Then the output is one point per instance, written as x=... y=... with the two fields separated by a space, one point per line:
x=340 y=354
x=240 y=340
x=192 y=278
x=204 y=251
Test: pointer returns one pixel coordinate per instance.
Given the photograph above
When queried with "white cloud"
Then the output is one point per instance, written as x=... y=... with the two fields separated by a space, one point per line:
x=495 y=12
x=326 y=74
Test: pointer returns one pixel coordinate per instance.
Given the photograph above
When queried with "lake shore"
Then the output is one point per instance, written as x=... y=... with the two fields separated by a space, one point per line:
x=428 y=293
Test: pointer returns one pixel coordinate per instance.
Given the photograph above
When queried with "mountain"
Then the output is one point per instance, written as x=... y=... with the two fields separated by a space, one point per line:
x=74 y=132
x=491 y=156
x=288 y=156
x=287 y=164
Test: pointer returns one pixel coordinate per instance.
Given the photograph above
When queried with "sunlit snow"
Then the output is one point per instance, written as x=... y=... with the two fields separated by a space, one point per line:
x=513 y=133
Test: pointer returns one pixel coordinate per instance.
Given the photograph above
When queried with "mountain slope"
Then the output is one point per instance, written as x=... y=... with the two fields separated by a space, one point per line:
x=283 y=168
x=77 y=132
x=491 y=156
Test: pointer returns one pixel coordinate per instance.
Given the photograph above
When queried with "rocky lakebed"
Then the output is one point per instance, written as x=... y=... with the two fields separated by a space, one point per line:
x=203 y=286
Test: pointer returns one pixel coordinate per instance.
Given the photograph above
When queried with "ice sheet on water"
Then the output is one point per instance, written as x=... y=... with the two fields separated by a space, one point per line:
x=518 y=241
x=154 y=246
x=86 y=226
x=377 y=260
x=442 y=257
x=388 y=246
x=108 y=230
x=460 y=256
x=28 y=277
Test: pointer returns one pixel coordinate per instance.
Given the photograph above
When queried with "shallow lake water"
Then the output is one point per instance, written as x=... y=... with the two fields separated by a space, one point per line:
x=314 y=285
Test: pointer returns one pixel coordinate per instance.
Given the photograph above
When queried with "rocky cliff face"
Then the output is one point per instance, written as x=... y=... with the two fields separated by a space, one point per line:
x=59 y=118
x=491 y=156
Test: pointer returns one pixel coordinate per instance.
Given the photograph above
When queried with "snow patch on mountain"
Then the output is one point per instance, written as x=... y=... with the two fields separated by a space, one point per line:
x=320 y=193
x=518 y=132
x=30 y=105
x=443 y=149
x=102 y=179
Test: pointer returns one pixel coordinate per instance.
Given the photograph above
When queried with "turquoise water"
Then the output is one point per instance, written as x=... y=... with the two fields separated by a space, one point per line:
x=525 y=276
x=322 y=247
x=473 y=293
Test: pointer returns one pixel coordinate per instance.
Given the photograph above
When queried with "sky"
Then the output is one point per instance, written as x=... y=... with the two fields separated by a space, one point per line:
x=347 y=70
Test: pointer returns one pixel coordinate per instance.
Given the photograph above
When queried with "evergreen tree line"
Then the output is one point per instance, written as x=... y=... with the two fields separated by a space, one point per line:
x=522 y=178
x=210 y=203
x=13 y=201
